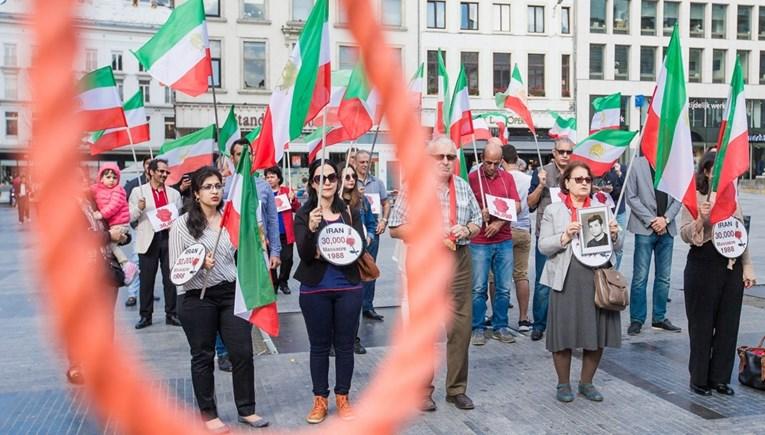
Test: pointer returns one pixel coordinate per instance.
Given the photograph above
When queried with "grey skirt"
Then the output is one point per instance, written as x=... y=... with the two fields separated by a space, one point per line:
x=573 y=320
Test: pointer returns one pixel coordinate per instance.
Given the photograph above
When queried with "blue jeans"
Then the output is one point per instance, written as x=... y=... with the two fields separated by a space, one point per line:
x=661 y=246
x=369 y=286
x=497 y=257
x=541 y=293
x=621 y=219
x=220 y=348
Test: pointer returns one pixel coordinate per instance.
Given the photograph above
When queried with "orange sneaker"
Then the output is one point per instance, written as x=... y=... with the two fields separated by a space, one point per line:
x=319 y=411
x=344 y=409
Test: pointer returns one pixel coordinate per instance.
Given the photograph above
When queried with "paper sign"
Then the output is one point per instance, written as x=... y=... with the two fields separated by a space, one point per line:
x=555 y=194
x=188 y=264
x=162 y=218
x=730 y=238
x=282 y=202
x=374 y=201
x=340 y=244
x=503 y=208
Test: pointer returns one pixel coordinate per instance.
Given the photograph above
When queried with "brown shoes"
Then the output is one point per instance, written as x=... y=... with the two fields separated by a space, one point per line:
x=344 y=409
x=319 y=411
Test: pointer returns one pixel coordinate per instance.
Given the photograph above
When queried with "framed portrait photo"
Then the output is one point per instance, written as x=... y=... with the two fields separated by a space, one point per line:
x=594 y=237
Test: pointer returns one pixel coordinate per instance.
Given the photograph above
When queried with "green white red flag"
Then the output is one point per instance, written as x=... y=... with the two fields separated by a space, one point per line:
x=359 y=109
x=515 y=99
x=416 y=87
x=137 y=123
x=602 y=149
x=303 y=91
x=732 y=159
x=460 y=118
x=254 y=299
x=178 y=55
x=441 y=122
x=562 y=127
x=100 y=102
x=314 y=140
x=188 y=153
x=666 y=139
x=229 y=133
x=340 y=79
x=607 y=112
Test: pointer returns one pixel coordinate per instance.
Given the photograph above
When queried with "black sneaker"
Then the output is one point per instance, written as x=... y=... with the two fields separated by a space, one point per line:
x=524 y=326
x=359 y=348
x=665 y=325
x=634 y=328
x=537 y=335
x=224 y=364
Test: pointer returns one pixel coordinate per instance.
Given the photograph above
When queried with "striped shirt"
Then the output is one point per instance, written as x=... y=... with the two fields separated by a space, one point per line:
x=225 y=266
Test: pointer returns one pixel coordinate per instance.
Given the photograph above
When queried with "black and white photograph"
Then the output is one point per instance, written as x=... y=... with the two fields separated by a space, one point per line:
x=593 y=237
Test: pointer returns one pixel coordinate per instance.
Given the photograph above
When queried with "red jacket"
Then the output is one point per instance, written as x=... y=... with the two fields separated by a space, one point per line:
x=287 y=215
x=112 y=202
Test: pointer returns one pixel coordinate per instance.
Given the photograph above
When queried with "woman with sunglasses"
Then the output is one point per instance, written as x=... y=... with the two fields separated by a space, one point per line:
x=573 y=319
x=203 y=319
x=286 y=229
x=330 y=296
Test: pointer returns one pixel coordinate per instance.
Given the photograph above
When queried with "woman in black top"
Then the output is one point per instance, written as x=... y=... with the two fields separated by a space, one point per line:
x=330 y=296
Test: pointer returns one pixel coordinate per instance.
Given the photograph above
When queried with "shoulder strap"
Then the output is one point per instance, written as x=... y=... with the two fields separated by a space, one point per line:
x=350 y=215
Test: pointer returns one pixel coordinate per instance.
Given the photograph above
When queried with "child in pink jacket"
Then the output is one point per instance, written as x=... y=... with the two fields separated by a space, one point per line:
x=111 y=200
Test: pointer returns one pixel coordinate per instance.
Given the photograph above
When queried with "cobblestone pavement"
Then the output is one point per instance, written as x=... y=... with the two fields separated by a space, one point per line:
x=644 y=382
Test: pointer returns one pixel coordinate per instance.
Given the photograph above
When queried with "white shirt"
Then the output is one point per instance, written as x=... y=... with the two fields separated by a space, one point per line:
x=522 y=184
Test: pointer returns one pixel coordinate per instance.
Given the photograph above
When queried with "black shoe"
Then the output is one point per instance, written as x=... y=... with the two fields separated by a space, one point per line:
x=704 y=391
x=285 y=289
x=156 y=298
x=634 y=328
x=428 y=405
x=460 y=401
x=372 y=314
x=172 y=320
x=665 y=325
x=224 y=364
x=537 y=335
x=724 y=389
x=131 y=301
x=143 y=322
x=359 y=348
x=332 y=351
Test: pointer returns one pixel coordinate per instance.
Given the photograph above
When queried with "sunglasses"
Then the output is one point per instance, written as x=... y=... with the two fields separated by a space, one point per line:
x=441 y=157
x=329 y=178
x=582 y=180
x=349 y=177
x=564 y=152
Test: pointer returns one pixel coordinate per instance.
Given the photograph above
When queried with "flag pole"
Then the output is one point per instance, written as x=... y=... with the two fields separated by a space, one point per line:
x=135 y=159
x=323 y=153
x=348 y=155
x=480 y=182
x=629 y=171
x=374 y=141
x=539 y=152
x=289 y=170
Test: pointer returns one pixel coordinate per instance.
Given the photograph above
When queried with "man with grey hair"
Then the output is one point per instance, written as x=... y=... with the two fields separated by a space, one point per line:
x=461 y=221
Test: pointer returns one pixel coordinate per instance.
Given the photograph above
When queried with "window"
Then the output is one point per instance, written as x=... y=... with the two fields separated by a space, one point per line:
x=168 y=95
x=762 y=67
x=719 y=14
x=117 y=60
x=169 y=127
x=301 y=9
x=10 y=59
x=501 y=17
x=695 y=55
x=598 y=16
x=215 y=58
x=671 y=15
x=648 y=17
x=565 y=76
x=120 y=88
x=254 y=63
x=433 y=71
x=436 y=14
x=11 y=123
x=622 y=16
x=144 y=85
x=254 y=9
x=391 y=13
x=718 y=66
x=91 y=59
x=141 y=68
x=744 y=22
x=347 y=56
x=565 y=21
x=537 y=75
x=11 y=86
x=536 y=19
x=622 y=62
x=469 y=16
x=761 y=23
x=502 y=71
x=470 y=62
x=743 y=57
x=697 y=20
x=648 y=63
x=596 y=61
x=212 y=8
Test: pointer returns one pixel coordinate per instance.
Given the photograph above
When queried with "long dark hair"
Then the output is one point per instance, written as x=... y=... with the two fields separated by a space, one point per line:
x=196 y=222
x=356 y=200
x=706 y=163
x=338 y=205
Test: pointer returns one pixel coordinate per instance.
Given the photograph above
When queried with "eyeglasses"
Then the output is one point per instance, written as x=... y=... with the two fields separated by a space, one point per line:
x=564 y=152
x=349 y=177
x=490 y=163
x=329 y=178
x=163 y=172
x=216 y=186
x=582 y=180
x=441 y=157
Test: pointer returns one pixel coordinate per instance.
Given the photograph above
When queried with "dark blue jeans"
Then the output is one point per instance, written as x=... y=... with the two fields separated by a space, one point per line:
x=541 y=293
x=661 y=247
x=369 y=286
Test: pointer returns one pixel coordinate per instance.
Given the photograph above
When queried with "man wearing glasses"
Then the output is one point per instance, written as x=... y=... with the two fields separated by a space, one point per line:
x=543 y=192
x=152 y=246
x=461 y=221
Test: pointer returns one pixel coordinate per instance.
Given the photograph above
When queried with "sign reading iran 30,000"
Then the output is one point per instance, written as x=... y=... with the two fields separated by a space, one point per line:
x=340 y=244
x=730 y=237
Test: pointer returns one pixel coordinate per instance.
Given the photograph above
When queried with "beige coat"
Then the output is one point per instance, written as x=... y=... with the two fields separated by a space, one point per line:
x=143 y=230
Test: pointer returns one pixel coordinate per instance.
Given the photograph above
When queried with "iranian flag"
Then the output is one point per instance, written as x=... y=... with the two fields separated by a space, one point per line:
x=601 y=149
x=666 y=139
x=100 y=101
x=607 y=112
x=302 y=93
x=188 y=153
x=314 y=140
x=340 y=79
x=562 y=127
x=460 y=118
x=480 y=129
x=732 y=159
x=229 y=133
x=107 y=140
x=359 y=109
x=515 y=99
x=254 y=299
x=179 y=54
x=253 y=135
x=416 y=86
x=442 y=104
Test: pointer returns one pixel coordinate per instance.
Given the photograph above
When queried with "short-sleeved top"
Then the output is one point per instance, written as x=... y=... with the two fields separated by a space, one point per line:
x=373 y=184
x=467 y=208
x=502 y=185
x=522 y=183
x=552 y=181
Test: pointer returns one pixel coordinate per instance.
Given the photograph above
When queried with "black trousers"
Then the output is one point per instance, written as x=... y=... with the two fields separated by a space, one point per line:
x=286 y=268
x=157 y=256
x=202 y=320
x=713 y=298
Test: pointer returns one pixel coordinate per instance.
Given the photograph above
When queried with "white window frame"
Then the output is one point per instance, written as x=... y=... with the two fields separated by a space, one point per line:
x=10 y=55
x=498 y=24
x=265 y=12
x=544 y=19
x=8 y=117
x=401 y=15
x=119 y=58
x=145 y=86
x=220 y=63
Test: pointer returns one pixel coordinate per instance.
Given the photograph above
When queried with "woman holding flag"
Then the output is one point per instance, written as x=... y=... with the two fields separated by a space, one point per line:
x=203 y=319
